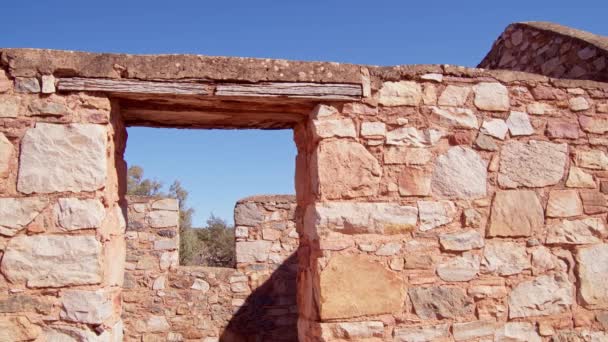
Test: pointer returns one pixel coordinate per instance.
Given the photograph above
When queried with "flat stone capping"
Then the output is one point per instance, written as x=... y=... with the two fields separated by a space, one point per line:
x=268 y=198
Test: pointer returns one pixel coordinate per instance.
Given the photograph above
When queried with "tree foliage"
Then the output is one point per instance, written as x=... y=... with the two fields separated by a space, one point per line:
x=212 y=245
x=216 y=244
x=140 y=186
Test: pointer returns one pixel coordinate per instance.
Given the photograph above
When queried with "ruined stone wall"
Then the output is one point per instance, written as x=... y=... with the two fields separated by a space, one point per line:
x=453 y=208
x=253 y=302
x=61 y=223
x=550 y=50
x=434 y=202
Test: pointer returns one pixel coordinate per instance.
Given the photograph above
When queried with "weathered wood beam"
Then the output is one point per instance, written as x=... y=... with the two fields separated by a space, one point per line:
x=327 y=91
x=132 y=86
x=294 y=90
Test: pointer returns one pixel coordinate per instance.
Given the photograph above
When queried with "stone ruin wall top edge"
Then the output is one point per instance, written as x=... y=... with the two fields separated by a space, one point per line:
x=20 y=62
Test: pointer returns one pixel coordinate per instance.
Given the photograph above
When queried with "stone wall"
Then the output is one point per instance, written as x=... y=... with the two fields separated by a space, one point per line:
x=551 y=50
x=61 y=223
x=434 y=202
x=255 y=301
x=455 y=208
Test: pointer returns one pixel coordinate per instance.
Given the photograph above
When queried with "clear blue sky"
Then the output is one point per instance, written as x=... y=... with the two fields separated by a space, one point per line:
x=219 y=167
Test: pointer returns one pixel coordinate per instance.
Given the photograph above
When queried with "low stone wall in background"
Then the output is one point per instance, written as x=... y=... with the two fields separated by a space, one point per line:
x=256 y=301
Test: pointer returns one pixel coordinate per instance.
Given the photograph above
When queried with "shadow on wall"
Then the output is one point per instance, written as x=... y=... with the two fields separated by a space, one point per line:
x=269 y=313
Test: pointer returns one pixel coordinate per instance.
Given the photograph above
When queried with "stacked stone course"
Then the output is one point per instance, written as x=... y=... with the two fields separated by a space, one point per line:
x=164 y=301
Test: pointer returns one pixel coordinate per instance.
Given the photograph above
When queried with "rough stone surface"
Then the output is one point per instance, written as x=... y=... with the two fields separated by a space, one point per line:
x=471 y=330
x=491 y=96
x=594 y=202
x=593 y=124
x=247 y=214
x=434 y=214
x=592 y=159
x=461 y=241
x=166 y=204
x=562 y=130
x=74 y=213
x=592 y=269
x=440 y=302
x=460 y=173
x=496 y=128
x=27 y=85
x=373 y=129
x=52 y=260
x=515 y=213
x=353 y=286
x=340 y=128
x=358 y=330
x=422 y=333
x=532 y=164
x=564 y=203
x=402 y=93
x=540 y=108
x=9 y=107
x=505 y=258
x=460 y=268
x=17 y=329
x=252 y=251
x=578 y=104
x=17 y=213
x=578 y=178
x=388 y=249
x=486 y=143
x=517 y=332
x=542 y=296
x=407 y=155
x=454 y=96
x=519 y=124
x=353 y=218
x=162 y=218
x=456 y=117
x=361 y=171
x=411 y=136
x=91 y=307
x=414 y=181
x=57 y=158
x=576 y=232
x=6 y=153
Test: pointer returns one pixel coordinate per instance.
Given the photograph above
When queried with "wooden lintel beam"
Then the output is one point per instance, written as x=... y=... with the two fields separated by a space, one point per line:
x=327 y=91
x=132 y=86
x=295 y=90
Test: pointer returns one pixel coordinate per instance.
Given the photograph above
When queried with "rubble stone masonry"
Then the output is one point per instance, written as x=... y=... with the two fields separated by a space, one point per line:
x=256 y=300
x=433 y=202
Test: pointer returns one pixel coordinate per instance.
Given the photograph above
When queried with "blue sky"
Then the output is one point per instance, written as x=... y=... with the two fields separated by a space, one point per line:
x=219 y=167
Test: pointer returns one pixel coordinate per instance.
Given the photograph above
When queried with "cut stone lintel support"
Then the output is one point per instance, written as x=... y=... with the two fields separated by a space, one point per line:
x=325 y=91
